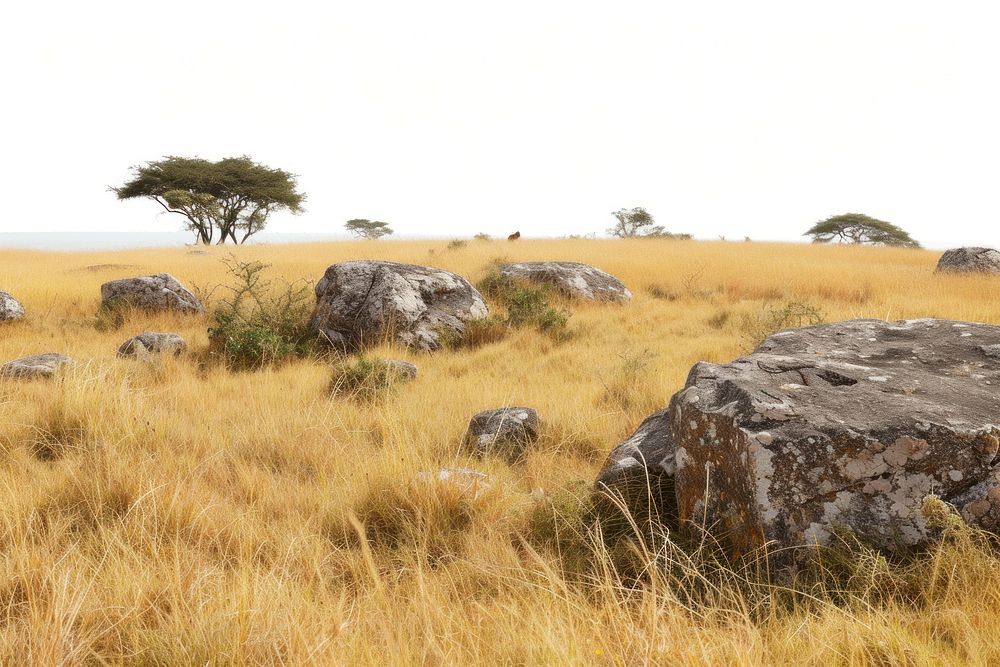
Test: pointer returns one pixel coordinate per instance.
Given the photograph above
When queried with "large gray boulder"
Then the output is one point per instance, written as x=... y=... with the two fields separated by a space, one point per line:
x=975 y=260
x=845 y=426
x=506 y=432
x=572 y=279
x=152 y=343
x=159 y=292
x=367 y=302
x=10 y=308
x=35 y=366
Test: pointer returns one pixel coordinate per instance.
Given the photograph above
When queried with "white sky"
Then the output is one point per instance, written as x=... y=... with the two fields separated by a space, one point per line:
x=446 y=119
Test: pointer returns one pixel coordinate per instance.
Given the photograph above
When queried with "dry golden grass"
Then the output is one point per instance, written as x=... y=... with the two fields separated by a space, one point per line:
x=177 y=513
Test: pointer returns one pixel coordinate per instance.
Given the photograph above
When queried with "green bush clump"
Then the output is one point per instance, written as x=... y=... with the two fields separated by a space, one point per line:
x=526 y=305
x=257 y=324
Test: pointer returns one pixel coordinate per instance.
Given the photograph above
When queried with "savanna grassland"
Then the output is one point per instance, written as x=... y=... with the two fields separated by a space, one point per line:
x=179 y=512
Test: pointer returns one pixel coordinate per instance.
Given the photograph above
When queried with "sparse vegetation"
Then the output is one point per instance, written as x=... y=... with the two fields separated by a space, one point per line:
x=180 y=513
x=257 y=324
x=364 y=379
x=526 y=305
x=757 y=326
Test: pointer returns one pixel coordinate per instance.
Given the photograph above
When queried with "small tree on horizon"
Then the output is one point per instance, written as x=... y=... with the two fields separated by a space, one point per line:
x=638 y=223
x=632 y=222
x=368 y=229
x=860 y=229
x=234 y=196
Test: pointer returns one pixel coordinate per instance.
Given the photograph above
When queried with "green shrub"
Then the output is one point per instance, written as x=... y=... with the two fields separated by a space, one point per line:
x=526 y=305
x=257 y=324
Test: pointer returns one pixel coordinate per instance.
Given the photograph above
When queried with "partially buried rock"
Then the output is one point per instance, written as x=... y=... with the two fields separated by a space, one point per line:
x=572 y=279
x=974 y=260
x=159 y=292
x=505 y=432
x=367 y=302
x=10 y=308
x=151 y=343
x=845 y=426
x=402 y=369
x=35 y=366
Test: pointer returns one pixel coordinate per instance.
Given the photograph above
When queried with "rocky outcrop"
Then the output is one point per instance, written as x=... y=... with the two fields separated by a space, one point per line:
x=572 y=279
x=505 y=432
x=975 y=260
x=366 y=302
x=159 y=292
x=35 y=366
x=845 y=426
x=151 y=343
x=10 y=308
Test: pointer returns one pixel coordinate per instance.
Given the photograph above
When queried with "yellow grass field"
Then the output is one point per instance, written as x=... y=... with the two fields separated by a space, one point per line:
x=178 y=513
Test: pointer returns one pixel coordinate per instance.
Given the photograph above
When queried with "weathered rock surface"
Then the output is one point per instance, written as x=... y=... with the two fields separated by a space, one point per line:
x=846 y=425
x=10 y=308
x=575 y=280
x=159 y=292
x=977 y=260
x=152 y=343
x=505 y=432
x=365 y=302
x=35 y=366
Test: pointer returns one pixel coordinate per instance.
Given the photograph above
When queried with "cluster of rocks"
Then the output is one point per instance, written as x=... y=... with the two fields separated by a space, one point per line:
x=159 y=292
x=365 y=302
x=845 y=426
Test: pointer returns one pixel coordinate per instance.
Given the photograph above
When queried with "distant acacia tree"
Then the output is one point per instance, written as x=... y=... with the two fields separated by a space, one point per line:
x=638 y=223
x=368 y=229
x=861 y=229
x=632 y=222
x=233 y=196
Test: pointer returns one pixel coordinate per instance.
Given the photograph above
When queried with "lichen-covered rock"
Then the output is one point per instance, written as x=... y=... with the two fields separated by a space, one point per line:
x=366 y=302
x=841 y=426
x=152 y=343
x=159 y=292
x=976 y=260
x=505 y=432
x=10 y=308
x=35 y=366
x=575 y=280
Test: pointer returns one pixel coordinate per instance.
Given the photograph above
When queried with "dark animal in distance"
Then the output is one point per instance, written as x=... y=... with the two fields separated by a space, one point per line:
x=515 y=236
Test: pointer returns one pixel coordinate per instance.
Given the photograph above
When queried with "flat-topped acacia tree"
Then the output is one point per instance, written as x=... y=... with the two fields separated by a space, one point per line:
x=233 y=196
x=861 y=229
